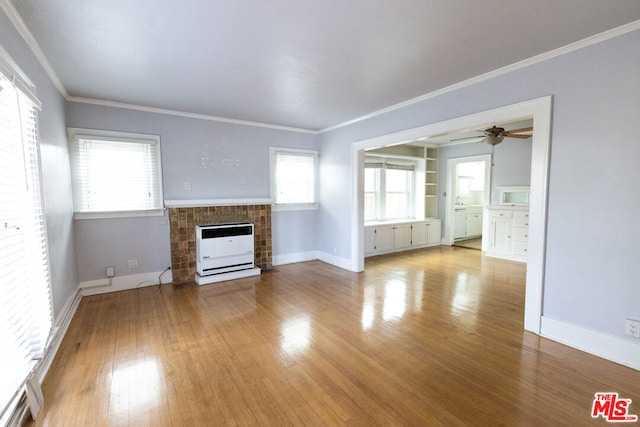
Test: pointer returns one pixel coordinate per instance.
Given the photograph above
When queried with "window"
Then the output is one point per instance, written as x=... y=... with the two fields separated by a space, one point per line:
x=115 y=174
x=294 y=178
x=388 y=189
x=25 y=284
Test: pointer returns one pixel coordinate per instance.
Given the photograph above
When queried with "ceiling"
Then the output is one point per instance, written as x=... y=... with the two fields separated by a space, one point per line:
x=303 y=64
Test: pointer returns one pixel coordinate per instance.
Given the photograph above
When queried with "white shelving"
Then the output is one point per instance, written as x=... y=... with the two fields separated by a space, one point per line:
x=431 y=182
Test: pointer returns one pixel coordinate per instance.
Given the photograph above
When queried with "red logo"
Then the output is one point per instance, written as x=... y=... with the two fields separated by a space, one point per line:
x=612 y=408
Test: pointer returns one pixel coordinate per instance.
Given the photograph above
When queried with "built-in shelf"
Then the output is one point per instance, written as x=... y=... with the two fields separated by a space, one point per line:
x=431 y=182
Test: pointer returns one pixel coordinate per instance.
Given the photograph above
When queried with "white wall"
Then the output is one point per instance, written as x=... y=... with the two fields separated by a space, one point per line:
x=591 y=268
x=220 y=160
x=55 y=169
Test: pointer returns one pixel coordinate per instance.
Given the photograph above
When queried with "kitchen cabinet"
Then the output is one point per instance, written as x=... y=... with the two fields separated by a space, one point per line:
x=473 y=224
x=394 y=237
x=467 y=222
x=508 y=232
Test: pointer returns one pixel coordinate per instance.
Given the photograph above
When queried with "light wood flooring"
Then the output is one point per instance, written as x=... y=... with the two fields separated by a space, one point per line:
x=470 y=244
x=428 y=337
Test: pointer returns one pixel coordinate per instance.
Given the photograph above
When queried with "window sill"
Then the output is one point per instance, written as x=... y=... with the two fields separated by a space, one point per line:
x=125 y=214
x=294 y=207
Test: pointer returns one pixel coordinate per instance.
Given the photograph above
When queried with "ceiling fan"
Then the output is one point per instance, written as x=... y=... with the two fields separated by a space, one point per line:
x=494 y=135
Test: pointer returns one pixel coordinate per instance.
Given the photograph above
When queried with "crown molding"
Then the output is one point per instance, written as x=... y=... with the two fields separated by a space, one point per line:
x=597 y=38
x=115 y=104
x=24 y=31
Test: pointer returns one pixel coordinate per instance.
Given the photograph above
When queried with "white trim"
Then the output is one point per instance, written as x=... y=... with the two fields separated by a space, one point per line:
x=229 y=275
x=143 y=108
x=540 y=110
x=294 y=258
x=27 y=36
x=122 y=283
x=60 y=328
x=125 y=214
x=597 y=343
x=335 y=260
x=216 y=202
x=597 y=38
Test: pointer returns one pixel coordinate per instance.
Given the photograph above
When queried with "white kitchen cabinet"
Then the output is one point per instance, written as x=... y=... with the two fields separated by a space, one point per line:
x=460 y=224
x=395 y=237
x=426 y=233
x=402 y=236
x=508 y=232
x=473 y=224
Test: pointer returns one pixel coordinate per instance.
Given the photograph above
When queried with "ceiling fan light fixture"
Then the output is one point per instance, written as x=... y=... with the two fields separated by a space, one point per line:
x=494 y=140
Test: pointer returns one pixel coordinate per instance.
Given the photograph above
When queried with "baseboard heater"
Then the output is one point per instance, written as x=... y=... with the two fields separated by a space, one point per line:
x=224 y=252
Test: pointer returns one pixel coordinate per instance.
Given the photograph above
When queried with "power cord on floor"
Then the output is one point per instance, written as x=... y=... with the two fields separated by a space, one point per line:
x=160 y=276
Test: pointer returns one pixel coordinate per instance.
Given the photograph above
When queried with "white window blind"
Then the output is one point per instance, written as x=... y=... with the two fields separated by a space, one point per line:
x=294 y=178
x=25 y=284
x=115 y=172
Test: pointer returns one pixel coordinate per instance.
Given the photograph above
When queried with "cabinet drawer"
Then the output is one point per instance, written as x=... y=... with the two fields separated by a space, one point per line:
x=521 y=222
x=501 y=214
x=520 y=248
x=521 y=215
x=520 y=234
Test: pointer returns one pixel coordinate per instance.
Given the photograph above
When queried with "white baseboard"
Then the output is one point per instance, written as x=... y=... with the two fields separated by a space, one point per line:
x=295 y=257
x=229 y=275
x=60 y=330
x=122 y=283
x=335 y=260
x=599 y=344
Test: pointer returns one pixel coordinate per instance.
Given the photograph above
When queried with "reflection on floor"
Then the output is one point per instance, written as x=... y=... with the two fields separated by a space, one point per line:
x=470 y=243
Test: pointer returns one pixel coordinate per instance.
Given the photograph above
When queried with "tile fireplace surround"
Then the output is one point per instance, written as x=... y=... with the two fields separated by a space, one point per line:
x=183 y=221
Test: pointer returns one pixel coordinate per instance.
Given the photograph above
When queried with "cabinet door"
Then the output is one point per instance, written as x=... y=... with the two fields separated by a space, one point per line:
x=402 y=236
x=500 y=234
x=460 y=225
x=369 y=240
x=419 y=234
x=434 y=232
x=384 y=238
x=474 y=224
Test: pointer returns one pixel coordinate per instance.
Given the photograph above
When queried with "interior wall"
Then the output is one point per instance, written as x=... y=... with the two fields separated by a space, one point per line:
x=590 y=268
x=55 y=168
x=220 y=160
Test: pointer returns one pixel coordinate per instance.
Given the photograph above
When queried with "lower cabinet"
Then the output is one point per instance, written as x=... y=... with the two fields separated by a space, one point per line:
x=394 y=237
x=508 y=232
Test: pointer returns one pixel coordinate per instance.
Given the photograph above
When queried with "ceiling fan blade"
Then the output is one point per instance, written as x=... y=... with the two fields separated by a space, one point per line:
x=510 y=135
x=529 y=129
x=468 y=137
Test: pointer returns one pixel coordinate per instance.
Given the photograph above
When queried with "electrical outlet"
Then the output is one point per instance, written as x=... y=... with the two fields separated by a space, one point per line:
x=133 y=263
x=111 y=272
x=187 y=185
x=633 y=328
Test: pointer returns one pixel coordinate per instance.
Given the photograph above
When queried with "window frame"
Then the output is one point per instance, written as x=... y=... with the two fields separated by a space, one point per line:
x=74 y=134
x=382 y=164
x=275 y=206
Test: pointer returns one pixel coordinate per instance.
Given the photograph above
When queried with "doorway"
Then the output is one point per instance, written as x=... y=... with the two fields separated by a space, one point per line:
x=468 y=185
x=540 y=110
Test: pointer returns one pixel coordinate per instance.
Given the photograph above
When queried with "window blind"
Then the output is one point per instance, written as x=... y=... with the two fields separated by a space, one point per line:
x=25 y=285
x=114 y=172
x=295 y=177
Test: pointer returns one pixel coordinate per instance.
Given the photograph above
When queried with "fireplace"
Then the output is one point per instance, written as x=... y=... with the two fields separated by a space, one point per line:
x=183 y=221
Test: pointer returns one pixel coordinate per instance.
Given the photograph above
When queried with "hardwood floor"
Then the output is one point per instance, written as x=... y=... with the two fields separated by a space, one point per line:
x=429 y=337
